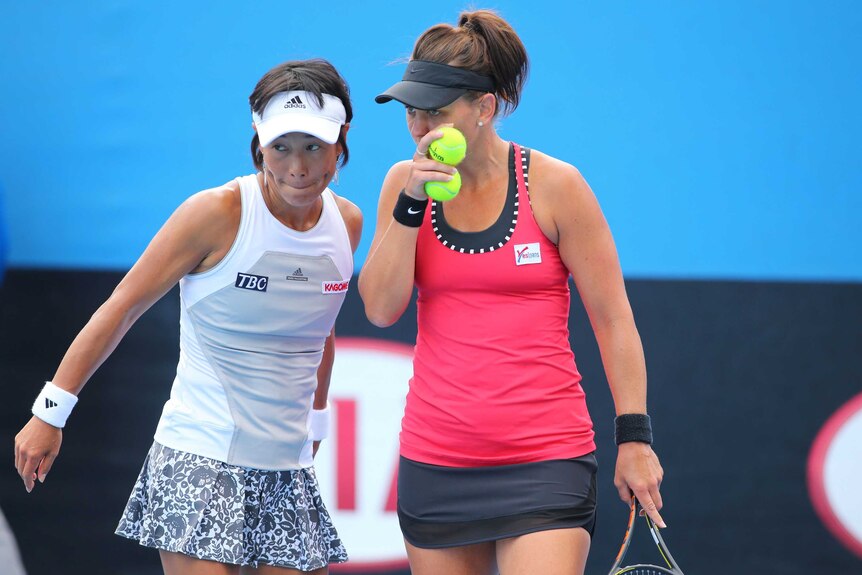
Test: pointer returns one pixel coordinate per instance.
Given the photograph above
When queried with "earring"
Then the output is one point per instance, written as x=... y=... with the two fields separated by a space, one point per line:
x=481 y=123
x=335 y=177
x=263 y=169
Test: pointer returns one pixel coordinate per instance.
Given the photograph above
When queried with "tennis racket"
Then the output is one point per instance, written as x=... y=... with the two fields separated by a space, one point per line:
x=643 y=568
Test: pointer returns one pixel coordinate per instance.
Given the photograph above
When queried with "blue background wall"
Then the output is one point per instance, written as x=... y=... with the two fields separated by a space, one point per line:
x=720 y=137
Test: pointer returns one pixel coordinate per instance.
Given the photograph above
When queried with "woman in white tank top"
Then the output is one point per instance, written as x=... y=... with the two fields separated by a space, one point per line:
x=264 y=262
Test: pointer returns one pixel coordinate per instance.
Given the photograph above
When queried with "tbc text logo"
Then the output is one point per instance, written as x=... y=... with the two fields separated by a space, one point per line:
x=834 y=468
x=357 y=465
x=251 y=282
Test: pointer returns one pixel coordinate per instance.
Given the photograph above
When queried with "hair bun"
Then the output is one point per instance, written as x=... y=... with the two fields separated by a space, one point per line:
x=467 y=23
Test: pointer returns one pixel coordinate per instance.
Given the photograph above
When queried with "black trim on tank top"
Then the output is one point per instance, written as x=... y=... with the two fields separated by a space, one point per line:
x=500 y=232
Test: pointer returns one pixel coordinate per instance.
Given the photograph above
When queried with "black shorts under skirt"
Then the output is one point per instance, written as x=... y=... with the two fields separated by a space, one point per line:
x=450 y=506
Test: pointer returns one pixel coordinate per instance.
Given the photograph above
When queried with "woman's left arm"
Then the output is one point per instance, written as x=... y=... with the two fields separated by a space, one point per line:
x=353 y=222
x=569 y=214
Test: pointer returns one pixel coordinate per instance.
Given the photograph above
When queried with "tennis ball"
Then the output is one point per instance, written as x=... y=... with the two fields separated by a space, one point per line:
x=450 y=148
x=443 y=191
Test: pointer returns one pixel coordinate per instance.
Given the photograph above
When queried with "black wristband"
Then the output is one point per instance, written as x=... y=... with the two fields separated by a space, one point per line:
x=632 y=427
x=409 y=211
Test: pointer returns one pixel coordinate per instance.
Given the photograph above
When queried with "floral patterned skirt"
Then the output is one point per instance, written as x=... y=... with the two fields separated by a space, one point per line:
x=207 y=509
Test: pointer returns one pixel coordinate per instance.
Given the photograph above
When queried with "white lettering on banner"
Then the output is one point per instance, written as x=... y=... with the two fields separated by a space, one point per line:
x=834 y=469
x=357 y=465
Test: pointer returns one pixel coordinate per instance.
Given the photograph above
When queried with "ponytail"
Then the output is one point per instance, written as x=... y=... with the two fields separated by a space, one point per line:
x=484 y=43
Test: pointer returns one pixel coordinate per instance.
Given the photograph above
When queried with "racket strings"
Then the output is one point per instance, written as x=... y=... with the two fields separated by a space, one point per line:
x=646 y=570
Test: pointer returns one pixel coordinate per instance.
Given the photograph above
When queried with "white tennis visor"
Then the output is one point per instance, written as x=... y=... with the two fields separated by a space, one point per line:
x=299 y=111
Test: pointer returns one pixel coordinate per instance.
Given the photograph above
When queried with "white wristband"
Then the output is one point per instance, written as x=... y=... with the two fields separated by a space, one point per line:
x=53 y=405
x=319 y=424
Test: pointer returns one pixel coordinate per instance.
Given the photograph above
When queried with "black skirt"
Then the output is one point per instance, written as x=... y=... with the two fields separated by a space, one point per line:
x=450 y=506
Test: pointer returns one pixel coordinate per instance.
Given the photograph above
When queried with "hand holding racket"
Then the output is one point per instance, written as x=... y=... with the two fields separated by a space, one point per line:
x=643 y=568
x=639 y=473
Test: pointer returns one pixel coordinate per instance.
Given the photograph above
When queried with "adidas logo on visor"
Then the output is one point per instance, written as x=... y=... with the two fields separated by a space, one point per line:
x=294 y=102
x=300 y=111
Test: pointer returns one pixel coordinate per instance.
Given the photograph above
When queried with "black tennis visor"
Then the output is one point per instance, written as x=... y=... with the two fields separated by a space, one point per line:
x=431 y=86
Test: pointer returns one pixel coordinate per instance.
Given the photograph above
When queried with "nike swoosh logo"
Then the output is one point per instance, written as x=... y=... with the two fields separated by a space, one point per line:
x=410 y=211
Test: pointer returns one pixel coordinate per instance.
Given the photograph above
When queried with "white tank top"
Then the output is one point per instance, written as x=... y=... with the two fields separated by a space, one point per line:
x=252 y=331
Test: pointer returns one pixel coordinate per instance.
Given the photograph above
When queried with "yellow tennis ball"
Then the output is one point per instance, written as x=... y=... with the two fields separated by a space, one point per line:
x=443 y=191
x=450 y=148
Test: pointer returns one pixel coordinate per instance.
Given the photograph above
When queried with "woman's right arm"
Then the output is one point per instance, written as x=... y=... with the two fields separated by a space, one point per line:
x=196 y=233
x=386 y=279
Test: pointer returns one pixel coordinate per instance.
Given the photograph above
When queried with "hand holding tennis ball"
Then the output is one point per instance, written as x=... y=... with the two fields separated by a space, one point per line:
x=449 y=149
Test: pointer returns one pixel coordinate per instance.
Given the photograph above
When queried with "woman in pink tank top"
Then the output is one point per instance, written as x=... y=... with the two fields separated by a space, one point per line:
x=497 y=464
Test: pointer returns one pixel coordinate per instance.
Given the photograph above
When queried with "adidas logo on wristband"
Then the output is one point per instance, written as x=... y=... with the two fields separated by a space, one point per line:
x=53 y=405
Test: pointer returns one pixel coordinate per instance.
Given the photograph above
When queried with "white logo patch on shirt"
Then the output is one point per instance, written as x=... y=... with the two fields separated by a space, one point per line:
x=334 y=287
x=528 y=254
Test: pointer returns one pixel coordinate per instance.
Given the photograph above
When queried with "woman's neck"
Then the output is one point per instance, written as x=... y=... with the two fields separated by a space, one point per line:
x=486 y=159
x=299 y=218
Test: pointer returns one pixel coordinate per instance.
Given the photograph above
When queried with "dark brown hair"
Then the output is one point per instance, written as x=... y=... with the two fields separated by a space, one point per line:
x=484 y=43
x=317 y=76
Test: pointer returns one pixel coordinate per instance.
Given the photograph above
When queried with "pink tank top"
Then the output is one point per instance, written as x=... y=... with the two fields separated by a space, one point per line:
x=494 y=377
